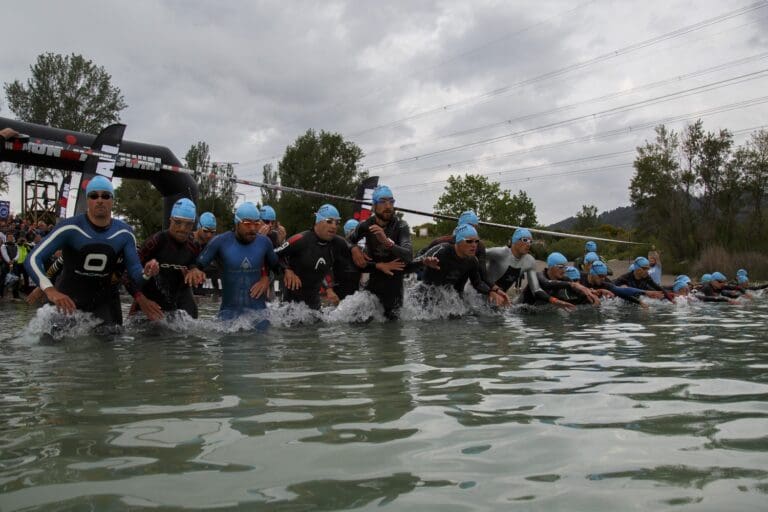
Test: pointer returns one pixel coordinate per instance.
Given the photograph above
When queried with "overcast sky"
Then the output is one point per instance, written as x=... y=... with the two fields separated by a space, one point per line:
x=524 y=92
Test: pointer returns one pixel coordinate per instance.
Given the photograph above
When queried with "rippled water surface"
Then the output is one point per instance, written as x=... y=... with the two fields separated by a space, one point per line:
x=611 y=409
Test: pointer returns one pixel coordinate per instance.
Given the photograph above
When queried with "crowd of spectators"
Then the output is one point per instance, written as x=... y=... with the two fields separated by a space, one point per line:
x=17 y=238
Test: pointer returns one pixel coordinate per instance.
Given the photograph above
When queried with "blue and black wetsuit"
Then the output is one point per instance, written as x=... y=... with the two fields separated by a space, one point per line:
x=311 y=259
x=91 y=255
x=623 y=292
x=168 y=288
x=388 y=289
x=241 y=265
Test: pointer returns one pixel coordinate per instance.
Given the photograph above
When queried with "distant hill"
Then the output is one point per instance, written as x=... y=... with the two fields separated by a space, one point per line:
x=623 y=217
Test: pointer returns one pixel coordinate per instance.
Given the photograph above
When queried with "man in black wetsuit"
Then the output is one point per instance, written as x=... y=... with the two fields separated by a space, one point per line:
x=553 y=281
x=346 y=275
x=309 y=256
x=453 y=264
x=174 y=250
x=638 y=277
x=387 y=239
x=715 y=290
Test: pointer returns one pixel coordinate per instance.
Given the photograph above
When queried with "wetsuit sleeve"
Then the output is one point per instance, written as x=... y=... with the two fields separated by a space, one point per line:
x=625 y=292
x=478 y=283
x=270 y=258
x=291 y=248
x=55 y=269
x=35 y=262
x=533 y=280
x=403 y=248
x=622 y=280
x=757 y=287
x=132 y=263
x=149 y=248
x=358 y=233
x=653 y=286
x=710 y=298
x=553 y=284
x=210 y=252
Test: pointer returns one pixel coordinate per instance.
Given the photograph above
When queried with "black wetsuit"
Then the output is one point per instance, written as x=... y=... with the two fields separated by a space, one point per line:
x=168 y=288
x=388 y=289
x=311 y=259
x=454 y=271
x=554 y=288
x=707 y=293
x=645 y=283
x=346 y=275
x=448 y=239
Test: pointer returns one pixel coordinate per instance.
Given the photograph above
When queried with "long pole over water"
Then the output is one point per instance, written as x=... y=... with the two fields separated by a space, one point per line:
x=38 y=145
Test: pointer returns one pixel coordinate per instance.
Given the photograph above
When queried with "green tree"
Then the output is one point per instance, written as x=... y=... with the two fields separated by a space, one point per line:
x=269 y=196
x=141 y=205
x=215 y=182
x=322 y=162
x=68 y=92
x=586 y=218
x=476 y=192
x=753 y=159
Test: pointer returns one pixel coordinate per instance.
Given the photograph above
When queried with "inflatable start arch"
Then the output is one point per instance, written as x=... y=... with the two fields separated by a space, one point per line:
x=105 y=154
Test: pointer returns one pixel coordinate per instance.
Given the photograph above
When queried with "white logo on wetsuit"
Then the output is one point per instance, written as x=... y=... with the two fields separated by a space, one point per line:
x=95 y=262
x=246 y=264
x=320 y=260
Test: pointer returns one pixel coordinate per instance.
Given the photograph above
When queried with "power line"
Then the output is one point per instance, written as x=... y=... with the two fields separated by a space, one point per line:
x=620 y=109
x=573 y=67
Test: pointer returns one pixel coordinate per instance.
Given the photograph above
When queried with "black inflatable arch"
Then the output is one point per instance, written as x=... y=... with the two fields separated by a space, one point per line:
x=138 y=160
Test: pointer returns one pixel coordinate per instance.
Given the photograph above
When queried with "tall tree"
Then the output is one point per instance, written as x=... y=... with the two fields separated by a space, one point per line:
x=141 y=205
x=269 y=196
x=476 y=192
x=215 y=181
x=753 y=157
x=586 y=218
x=322 y=162
x=68 y=92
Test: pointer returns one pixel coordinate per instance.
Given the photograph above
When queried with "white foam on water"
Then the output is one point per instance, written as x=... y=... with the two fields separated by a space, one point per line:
x=49 y=321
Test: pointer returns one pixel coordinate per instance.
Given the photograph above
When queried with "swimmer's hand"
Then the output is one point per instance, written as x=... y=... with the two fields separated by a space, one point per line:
x=498 y=298
x=35 y=296
x=562 y=304
x=359 y=257
x=149 y=307
x=431 y=262
x=587 y=293
x=194 y=277
x=260 y=287
x=152 y=268
x=390 y=267
x=653 y=294
x=332 y=297
x=292 y=281
x=62 y=301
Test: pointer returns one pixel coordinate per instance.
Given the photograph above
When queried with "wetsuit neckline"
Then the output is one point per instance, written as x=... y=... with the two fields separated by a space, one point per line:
x=98 y=228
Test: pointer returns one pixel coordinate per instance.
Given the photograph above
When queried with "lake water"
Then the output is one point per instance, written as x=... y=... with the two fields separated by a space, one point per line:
x=616 y=408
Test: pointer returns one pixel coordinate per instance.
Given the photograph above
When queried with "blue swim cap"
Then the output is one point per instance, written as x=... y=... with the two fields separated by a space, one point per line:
x=599 y=268
x=463 y=232
x=184 y=209
x=99 y=183
x=556 y=259
x=246 y=211
x=683 y=277
x=468 y=217
x=718 y=276
x=327 y=211
x=679 y=285
x=521 y=233
x=350 y=226
x=590 y=246
x=741 y=272
x=207 y=221
x=572 y=273
x=641 y=261
x=267 y=213
x=381 y=192
x=742 y=278
x=591 y=257
x=705 y=278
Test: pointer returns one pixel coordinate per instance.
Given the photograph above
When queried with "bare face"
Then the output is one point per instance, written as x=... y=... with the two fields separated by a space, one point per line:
x=247 y=230
x=385 y=208
x=204 y=235
x=522 y=246
x=327 y=229
x=556 y=272
x=467 y=247
x=100 y=206
x=180 y=229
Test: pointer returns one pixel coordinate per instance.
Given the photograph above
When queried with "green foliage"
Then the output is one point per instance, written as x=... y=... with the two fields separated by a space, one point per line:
x=322 y=162
x=586 y=218
x=476 y=192
x=141 y=205
x=216 y=188
x=268 y=196
x=67 y=92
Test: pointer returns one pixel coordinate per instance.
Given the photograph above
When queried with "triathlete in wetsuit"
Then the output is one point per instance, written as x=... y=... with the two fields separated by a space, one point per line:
x=242 y=255
x=92 y=246
x=453 y=264
x=308 y=257
x=714 y=290
x=598 y=281
x=346 y=275
x=175 y=251
x=507 y=266
x=387 y=239
x=553 y=281
x=638 y=277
